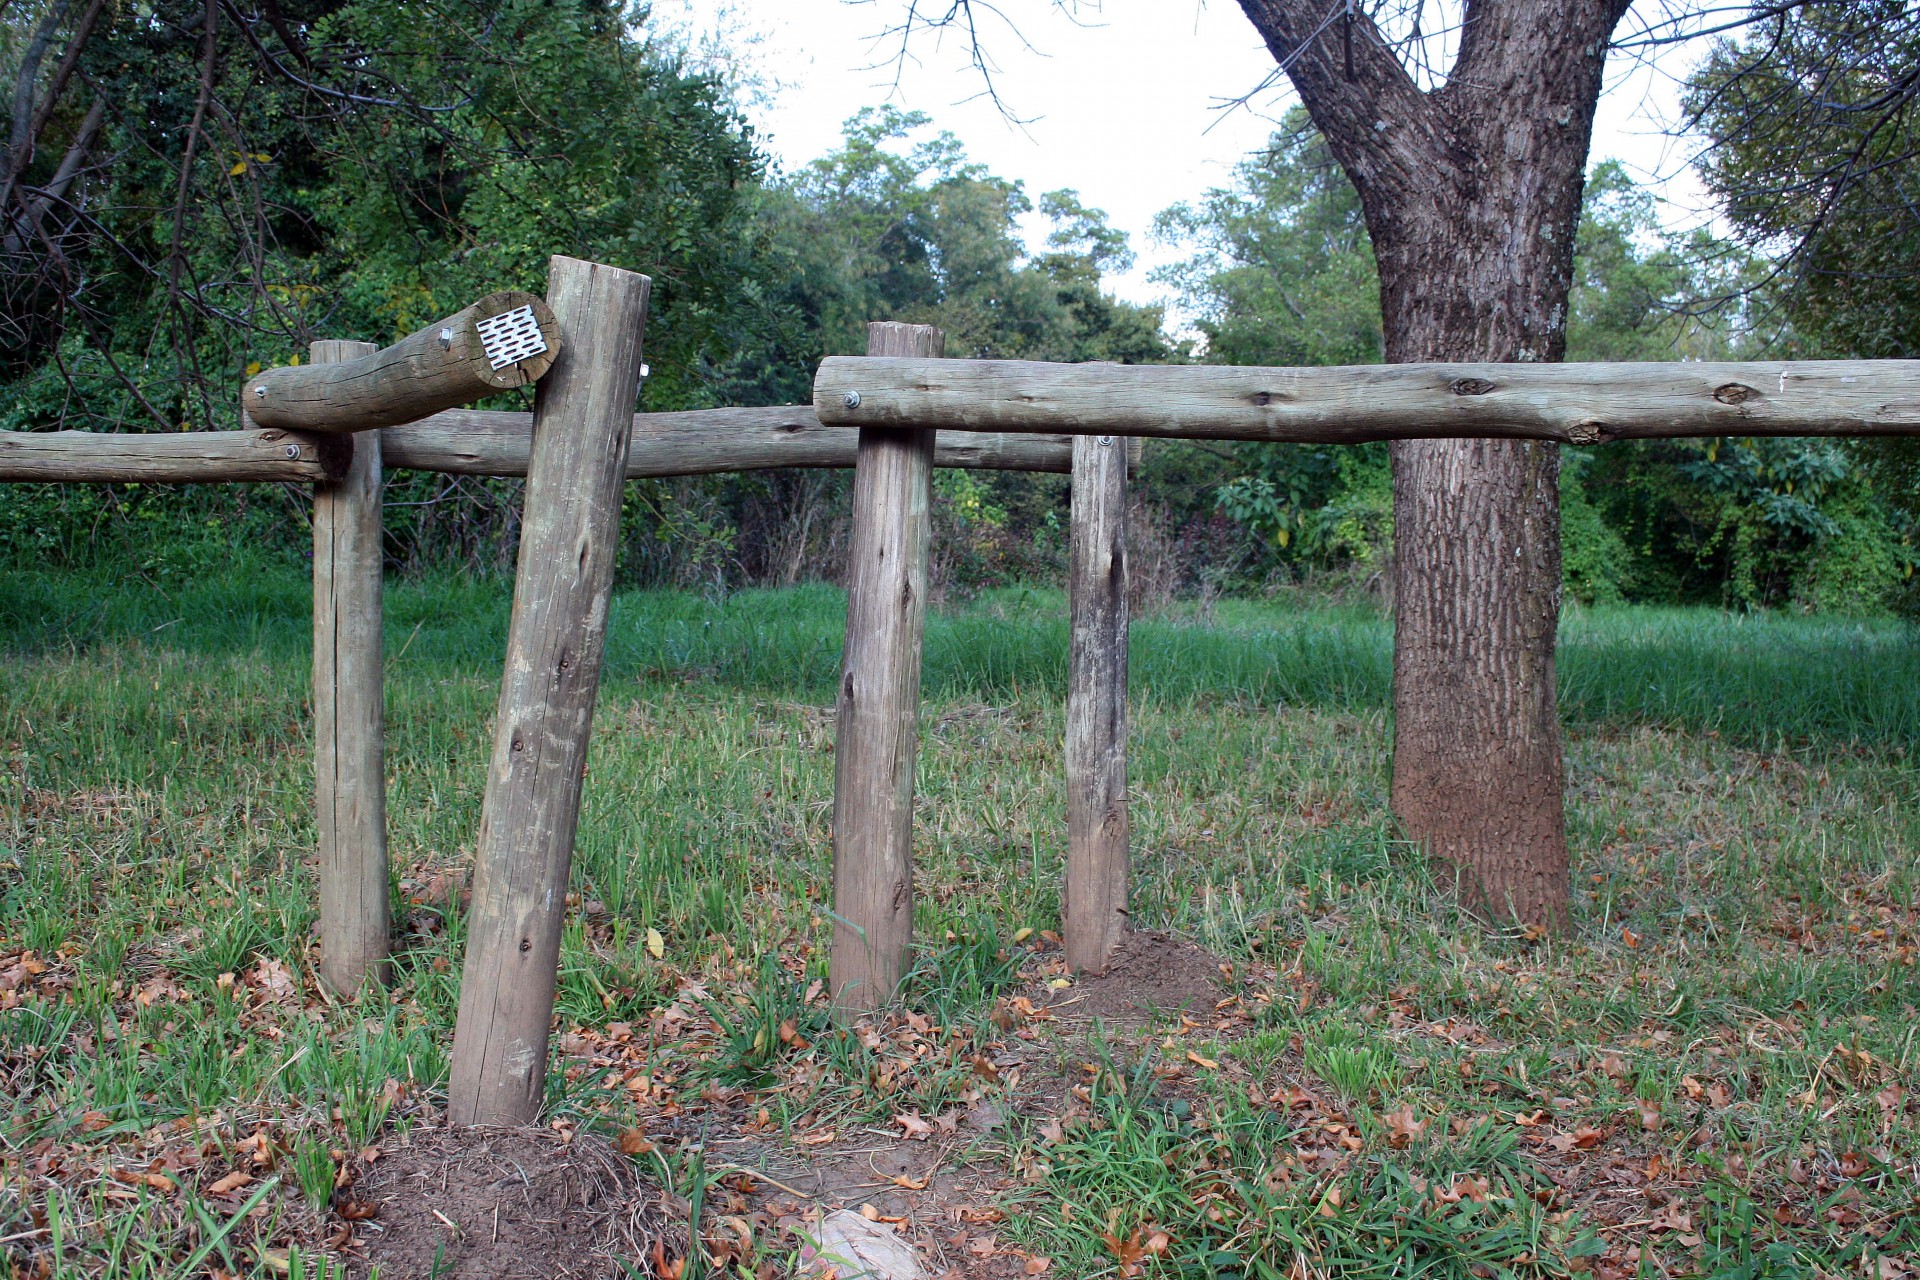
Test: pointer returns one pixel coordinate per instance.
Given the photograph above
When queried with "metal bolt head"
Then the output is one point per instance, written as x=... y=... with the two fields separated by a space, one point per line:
x=261 y=391
x=852 y=400
x=293 y=451
x=446 y=339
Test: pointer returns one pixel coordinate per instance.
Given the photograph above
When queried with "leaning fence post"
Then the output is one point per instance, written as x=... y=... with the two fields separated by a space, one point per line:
x=1097 y=819
x=879 y=704
x=349 y=757
x=563 y=580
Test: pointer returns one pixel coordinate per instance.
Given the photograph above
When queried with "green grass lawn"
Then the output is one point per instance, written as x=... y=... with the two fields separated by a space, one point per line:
x=1713 y=1076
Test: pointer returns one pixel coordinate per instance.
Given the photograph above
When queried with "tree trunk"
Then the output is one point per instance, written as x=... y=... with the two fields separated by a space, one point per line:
x=1472 y=198
x=1477 y=770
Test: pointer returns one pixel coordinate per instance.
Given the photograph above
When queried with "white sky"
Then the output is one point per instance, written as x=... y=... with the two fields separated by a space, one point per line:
x=1121 y=105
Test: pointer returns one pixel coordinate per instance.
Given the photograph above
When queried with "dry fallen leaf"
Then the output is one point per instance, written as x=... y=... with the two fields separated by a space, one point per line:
x=1672 y=1217
x=1404 y=1125
x=917 y=1129
x=634 y=1143
x=1582 y=1138
x=157 y=1181
x=229 y=1184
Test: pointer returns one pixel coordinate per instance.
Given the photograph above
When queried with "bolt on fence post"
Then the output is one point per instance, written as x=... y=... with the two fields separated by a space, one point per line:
x=349 y=710
x=879 y=705
x=563 y=583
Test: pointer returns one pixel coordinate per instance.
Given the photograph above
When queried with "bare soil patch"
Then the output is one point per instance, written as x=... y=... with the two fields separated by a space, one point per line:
x=494 y=1204
x=1151 y=974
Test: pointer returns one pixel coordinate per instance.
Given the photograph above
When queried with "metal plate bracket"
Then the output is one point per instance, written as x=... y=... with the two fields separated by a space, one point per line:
x=510 y=337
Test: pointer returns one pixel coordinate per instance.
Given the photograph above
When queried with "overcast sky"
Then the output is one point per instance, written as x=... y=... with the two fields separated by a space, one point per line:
x=1123 y=106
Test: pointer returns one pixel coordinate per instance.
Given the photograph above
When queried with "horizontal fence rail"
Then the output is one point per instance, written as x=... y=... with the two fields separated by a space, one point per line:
x=1569 y=403
x=697 y=442
x=187 y=457
x=479 y=442
x=503 y=341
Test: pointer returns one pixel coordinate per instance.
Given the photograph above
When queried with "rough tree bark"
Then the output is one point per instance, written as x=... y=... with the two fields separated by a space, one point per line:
x=1472 y=196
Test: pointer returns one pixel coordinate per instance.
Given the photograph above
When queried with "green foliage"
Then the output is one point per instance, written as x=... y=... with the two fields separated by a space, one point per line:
x=1815 y=125
x=1641 y=293
x=1282 y=271
x=369 y=168
x=1281 y=274
x=897 y=224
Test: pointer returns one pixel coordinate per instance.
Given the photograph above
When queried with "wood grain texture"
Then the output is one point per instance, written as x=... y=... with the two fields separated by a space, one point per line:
x=1570 y=403
x=421 y=374
x=349 y=712
x=562 y=584
x=1098 y=825
x=485 y=442
x=879 y=703
x=189 y=457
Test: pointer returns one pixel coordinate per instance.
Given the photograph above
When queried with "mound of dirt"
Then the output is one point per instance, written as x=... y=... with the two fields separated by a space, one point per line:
x=1151 y=973
x=494 y=1204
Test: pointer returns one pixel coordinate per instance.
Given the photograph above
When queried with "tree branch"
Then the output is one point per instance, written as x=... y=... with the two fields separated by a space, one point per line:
x=1383 y=130
x=23 y=86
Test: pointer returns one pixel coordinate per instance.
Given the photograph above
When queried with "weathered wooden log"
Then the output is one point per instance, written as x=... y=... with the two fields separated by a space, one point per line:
x=503 y=341
x=188 y=457
x=483 y=442
x=1571 y=403
x=1098 y=826
x=879 y=706
x=349 y=711
x=562 y=585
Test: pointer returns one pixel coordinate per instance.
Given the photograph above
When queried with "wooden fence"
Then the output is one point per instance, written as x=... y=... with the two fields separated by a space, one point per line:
x=531 y=805
x=354 y=411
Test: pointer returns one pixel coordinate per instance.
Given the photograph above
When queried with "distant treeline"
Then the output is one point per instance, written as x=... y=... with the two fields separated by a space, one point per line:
x=207 y=187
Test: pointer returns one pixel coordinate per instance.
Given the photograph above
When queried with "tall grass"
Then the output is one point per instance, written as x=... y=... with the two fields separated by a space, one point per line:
x=1742 y=809
x=1763 y=679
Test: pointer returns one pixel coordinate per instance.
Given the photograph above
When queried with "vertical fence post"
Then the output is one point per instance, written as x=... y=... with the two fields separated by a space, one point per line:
x=563 y=581
x=879 y=705
x=349 y=756
x=1097 y=819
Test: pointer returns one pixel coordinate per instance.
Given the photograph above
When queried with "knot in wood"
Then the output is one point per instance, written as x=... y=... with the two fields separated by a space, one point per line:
x=1735 y=393
x=1587 y=433
x=1261 y=399
x=1470 y=386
